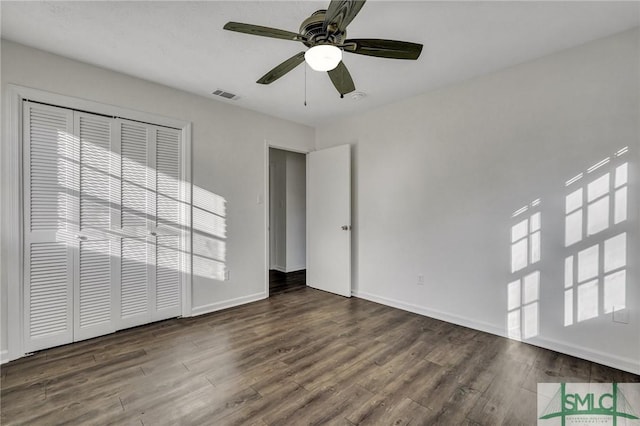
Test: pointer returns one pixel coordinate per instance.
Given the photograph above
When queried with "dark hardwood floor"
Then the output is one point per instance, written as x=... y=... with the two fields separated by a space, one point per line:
x=280 y=282
x=300 y=357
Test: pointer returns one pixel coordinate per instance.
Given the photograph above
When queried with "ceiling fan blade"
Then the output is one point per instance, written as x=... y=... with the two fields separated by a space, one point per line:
x=282 y=69
x=340 y=13
x=262 y=31
x=342 y=79
x=383 y=48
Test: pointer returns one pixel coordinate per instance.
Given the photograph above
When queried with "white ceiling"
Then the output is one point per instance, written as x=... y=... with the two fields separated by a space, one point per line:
x=183 y=45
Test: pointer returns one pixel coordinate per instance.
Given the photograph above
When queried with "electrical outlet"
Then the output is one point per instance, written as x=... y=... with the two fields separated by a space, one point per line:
x=226 y=275
x=420 y=279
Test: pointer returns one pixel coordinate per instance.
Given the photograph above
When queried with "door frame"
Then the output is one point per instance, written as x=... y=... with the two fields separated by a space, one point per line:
x=12 y=195
x=267 y=207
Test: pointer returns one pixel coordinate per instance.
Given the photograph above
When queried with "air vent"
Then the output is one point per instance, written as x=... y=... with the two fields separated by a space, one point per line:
x=226 y=95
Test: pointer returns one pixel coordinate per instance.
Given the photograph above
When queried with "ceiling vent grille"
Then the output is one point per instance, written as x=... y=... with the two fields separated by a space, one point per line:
x=226 y=95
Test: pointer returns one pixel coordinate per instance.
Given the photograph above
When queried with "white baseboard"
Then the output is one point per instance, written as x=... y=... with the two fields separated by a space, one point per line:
x=279 y=269
x=4 y=356
x=443 y=316
x=218 y=306
x=621 y=363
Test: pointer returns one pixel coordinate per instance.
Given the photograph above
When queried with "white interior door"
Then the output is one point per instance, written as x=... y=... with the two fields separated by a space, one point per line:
x=50 y=180
x=136 y=216
x=329 y=220
x=93 y=289
x=168 y=225
x=151 y=224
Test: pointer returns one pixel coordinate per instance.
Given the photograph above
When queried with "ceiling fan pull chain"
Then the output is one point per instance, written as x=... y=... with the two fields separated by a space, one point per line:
x=305 y=84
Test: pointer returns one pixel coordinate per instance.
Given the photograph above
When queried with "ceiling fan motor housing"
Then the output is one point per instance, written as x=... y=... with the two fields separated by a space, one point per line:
x=311 y=29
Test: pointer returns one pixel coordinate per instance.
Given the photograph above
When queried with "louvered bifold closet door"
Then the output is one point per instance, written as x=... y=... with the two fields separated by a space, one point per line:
x=104 y=224
x=137 y=257
x=50 y=182
x=97 y=207
x=169 y=226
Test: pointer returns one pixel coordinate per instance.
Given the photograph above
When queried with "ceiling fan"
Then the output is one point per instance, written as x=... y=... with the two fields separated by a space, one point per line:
x=325 y=34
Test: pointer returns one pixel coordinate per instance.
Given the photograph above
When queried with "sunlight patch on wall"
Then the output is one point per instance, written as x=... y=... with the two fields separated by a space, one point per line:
x=209 y=234
x=136 y=205
x=523 y=294
x=595 y=268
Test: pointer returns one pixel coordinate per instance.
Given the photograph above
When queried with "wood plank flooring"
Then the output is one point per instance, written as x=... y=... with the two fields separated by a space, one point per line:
x=279 y=282
x=300 y=357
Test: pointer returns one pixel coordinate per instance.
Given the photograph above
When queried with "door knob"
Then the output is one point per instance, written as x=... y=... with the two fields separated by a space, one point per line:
x=81 y=237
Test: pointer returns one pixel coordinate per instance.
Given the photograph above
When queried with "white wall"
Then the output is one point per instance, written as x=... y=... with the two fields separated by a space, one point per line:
x=437 y=178
x=296 y=211
x=228 y=148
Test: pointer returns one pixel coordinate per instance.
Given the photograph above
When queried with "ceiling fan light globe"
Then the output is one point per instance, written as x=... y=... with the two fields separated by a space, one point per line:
x=324 y=57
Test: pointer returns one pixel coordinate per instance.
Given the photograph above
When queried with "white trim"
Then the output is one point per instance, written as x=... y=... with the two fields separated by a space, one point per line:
x=11 y=231
x=218 y=306
x=439 y=315
x=187 y=241
x=306 y=219
x=12 y=220
x=279 y=269
x=622 y=363
x=4 y=356
x=267 y=205
x=90 y=106
x=287 y=148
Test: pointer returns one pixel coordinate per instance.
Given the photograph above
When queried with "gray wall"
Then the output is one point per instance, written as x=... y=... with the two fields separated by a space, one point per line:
x=228 y=147
x=438 y=177
x=296 y=211
x=278 y=209
x=288 y=224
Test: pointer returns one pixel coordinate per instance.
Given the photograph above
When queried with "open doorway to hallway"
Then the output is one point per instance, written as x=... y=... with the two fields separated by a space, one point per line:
x=287 y=221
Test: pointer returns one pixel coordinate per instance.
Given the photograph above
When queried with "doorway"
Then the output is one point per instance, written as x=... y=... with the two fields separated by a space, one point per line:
x=287 y=221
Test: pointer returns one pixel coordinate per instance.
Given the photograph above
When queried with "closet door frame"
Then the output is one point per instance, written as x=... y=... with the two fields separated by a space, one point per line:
x=12 y=198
